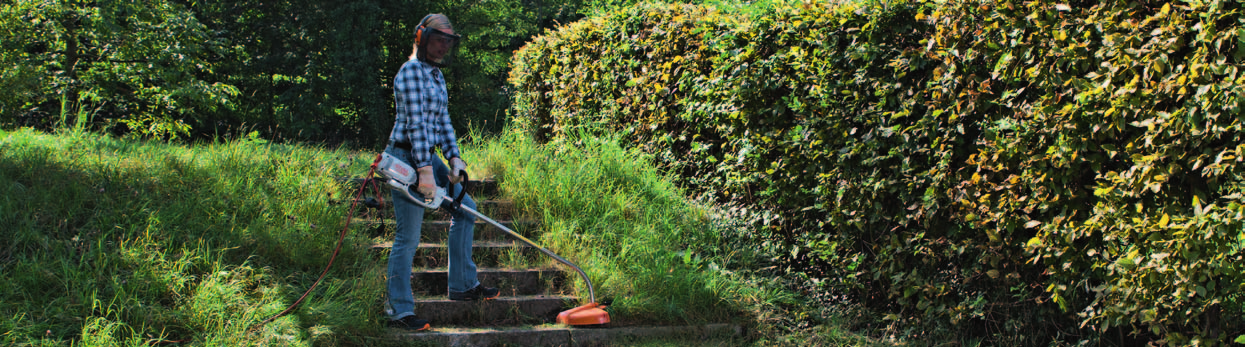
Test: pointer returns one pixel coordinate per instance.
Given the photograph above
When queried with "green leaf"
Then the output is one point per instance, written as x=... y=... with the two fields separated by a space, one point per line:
x=1127 y=262
x=1240 y=339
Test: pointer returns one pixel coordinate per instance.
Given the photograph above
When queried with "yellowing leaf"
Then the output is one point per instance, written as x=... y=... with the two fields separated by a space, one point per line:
x=1164 y=220
x=1035 y=241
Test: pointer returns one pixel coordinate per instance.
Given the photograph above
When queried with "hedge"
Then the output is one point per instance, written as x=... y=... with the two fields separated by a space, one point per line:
x=1066 y=169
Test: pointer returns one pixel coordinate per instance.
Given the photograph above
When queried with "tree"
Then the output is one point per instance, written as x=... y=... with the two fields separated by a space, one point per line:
x=146 y=66
x=305 y=70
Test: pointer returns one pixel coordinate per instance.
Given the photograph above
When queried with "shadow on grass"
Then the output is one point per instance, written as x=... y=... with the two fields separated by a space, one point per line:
x=115 y=241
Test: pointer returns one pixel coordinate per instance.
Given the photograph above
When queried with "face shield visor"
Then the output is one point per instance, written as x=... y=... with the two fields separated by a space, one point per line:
x=437 y=47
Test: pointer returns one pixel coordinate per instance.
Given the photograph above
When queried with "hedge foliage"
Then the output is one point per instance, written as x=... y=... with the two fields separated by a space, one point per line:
x=1062 y=168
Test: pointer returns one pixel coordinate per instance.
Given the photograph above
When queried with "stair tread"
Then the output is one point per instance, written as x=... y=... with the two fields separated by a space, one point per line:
x=559 y=335
x=442 y=269
x=468 y=329
x=501 y=299
x=488 y=186
x=475 y=244
x=381 y=183
x=428 y=221
x=478 y=202
x=504 y=310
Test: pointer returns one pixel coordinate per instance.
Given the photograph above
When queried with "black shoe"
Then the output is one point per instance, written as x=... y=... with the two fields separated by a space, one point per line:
x=480 y=292
x=410 y=323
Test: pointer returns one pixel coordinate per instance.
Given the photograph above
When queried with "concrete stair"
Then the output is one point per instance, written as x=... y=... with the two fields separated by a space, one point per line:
x=437 y=230
x=565 y=336
x=534 y=288
x=513 y=282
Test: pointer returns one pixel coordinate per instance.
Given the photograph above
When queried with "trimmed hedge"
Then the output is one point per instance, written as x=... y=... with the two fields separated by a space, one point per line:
x=1057 y=169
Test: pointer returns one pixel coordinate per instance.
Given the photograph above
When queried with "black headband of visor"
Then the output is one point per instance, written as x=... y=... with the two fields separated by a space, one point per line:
x=430 y=34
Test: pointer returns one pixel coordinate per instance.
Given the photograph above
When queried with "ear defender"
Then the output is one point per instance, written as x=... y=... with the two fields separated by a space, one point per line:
x=419 y=31
x=432 y=41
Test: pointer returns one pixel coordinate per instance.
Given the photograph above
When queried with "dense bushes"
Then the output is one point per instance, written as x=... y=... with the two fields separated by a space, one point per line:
x=1061 y=169
x=151 y=61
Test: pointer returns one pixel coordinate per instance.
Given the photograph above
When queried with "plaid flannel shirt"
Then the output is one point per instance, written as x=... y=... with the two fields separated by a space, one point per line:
x=423 y=119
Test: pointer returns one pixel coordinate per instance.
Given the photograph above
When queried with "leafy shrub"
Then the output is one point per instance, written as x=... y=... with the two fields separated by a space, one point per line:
x=1069 y=168
x=145 y=65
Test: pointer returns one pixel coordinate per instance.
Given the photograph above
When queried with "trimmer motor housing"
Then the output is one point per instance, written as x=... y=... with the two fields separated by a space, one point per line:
x=401 y=176
x=396 y=169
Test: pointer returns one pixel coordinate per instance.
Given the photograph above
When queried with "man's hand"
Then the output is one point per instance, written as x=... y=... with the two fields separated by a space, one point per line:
x=457 y=165
x=427 y=185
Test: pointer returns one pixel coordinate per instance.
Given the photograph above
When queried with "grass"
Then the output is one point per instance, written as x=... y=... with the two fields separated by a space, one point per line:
x=630 y=230
x=113 y=242
x=660 y=257
x=116 y=242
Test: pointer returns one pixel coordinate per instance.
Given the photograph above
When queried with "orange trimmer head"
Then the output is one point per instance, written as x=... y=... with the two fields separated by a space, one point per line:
x=590 y=314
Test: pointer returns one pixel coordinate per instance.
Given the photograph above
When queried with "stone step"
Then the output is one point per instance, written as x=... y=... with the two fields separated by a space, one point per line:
x=484 y=253
x=572 y=336
x=502 y=311
x=435 y=282
x=487 y=187
x=438 y=230
x=495 y=209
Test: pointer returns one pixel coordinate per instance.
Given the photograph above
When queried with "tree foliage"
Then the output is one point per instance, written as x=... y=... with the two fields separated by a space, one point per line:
x=151 y=61
x=291 y=69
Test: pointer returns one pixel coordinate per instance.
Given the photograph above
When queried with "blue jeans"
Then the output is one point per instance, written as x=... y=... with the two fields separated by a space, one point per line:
x=410 y=219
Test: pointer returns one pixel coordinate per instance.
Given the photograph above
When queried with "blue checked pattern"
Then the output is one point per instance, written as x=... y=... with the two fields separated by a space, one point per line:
x=423 y=119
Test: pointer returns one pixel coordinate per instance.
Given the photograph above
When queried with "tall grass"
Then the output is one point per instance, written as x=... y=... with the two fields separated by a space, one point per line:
x=114 y=242
x=662 y=258
x=609 y=210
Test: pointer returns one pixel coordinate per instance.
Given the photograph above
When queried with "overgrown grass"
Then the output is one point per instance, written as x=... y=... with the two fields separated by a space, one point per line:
x=662 y=258
x=114 y=242
x=630 y=229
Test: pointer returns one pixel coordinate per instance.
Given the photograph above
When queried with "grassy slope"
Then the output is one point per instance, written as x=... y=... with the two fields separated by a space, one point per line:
x=124 y=242
x=119 y=242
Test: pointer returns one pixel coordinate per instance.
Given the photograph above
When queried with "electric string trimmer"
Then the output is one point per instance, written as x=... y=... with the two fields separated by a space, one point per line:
x=401 y=176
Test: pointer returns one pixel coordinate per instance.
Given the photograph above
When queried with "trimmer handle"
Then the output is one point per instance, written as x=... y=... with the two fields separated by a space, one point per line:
x=441 y=198
x=458 y=201
x=401 y=176
x=431 y=203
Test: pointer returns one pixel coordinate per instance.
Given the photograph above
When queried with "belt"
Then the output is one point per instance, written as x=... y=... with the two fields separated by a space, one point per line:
x=402 y=145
